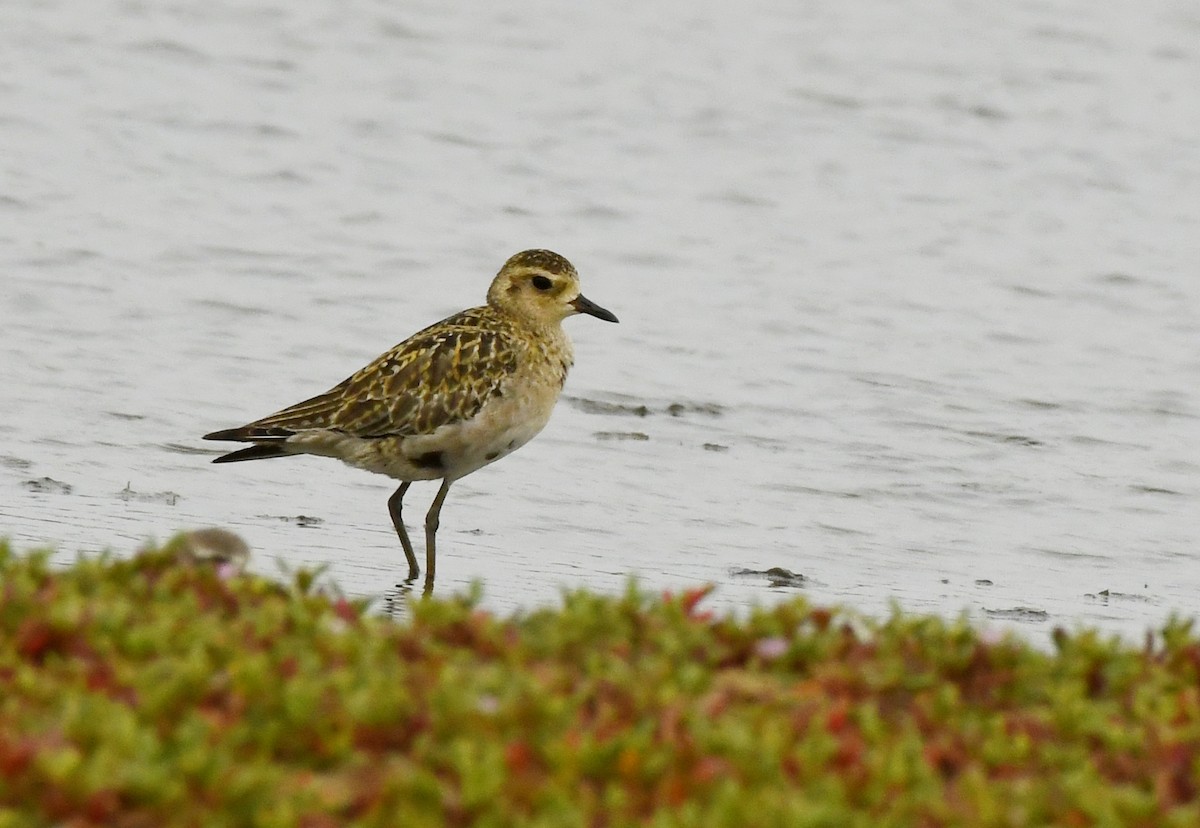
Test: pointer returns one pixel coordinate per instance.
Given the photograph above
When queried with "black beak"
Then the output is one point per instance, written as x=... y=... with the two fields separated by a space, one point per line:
x=584 y=305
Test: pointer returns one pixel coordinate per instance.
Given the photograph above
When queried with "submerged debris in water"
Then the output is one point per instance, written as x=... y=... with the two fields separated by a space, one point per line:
x=611 y=408
x=127 y=494
x=776 y=576
x=678 y=409
x=621 y=435
x=675 y=409
x=1028 y=614
x=304 y=521
x=1106 y=595
x=47 y=485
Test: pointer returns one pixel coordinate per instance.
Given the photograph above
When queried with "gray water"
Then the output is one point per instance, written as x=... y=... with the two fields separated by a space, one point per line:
x=908 y=292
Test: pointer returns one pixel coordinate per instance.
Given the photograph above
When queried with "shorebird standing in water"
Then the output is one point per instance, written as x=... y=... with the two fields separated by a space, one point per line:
x=446 y=401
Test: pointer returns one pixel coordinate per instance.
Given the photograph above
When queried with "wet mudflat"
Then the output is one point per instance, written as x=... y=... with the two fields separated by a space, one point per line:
x=907 y=302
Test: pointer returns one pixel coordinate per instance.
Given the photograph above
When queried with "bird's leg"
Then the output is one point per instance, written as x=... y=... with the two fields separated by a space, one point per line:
x=398 y=522
x=431 y=527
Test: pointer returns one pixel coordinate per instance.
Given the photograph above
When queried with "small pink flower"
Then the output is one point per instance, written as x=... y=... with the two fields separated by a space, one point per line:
x=769 y=649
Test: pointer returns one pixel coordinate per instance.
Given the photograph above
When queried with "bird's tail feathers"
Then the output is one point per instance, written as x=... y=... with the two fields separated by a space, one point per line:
x=258 y=451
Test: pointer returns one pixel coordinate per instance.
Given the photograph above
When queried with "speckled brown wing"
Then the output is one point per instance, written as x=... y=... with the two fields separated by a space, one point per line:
x=443 y=374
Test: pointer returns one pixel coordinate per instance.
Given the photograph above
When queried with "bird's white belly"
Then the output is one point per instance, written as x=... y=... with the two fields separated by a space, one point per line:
x=453 y=450
x=497 y=431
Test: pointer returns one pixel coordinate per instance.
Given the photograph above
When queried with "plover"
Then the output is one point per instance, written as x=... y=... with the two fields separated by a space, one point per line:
x=219 y=548
x=446 y=401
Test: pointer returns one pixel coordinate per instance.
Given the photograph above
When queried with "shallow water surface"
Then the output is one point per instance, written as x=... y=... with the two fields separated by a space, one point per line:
x=908 y=299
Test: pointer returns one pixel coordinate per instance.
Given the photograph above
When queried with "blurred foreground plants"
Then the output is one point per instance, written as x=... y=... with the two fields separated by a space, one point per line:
x=147 y=693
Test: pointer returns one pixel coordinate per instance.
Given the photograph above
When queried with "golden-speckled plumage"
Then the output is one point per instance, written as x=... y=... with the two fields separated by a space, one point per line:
x=448 y=400
x=441 y=375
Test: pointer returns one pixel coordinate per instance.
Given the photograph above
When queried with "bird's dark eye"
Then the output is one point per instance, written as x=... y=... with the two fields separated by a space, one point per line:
x=542 y=283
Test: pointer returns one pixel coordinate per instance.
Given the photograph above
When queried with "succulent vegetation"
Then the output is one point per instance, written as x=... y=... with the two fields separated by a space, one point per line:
x=143 y=692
